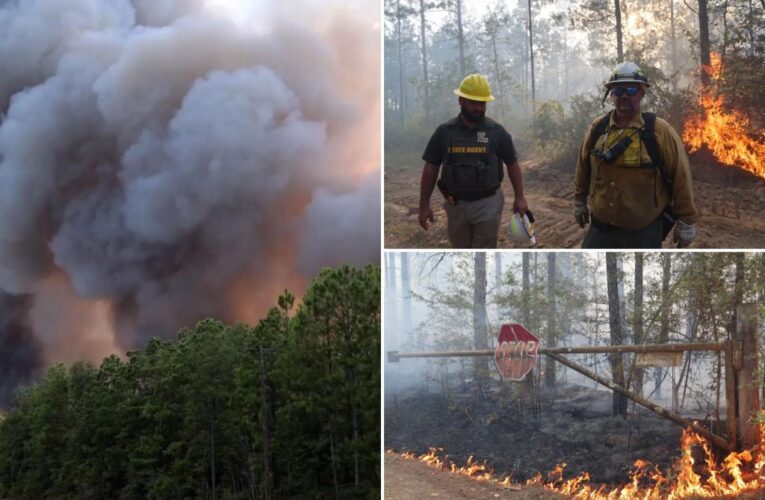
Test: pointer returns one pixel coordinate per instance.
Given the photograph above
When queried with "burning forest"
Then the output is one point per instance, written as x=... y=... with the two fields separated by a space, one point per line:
x=547 y=66
x=162 y=162
x=561 y=428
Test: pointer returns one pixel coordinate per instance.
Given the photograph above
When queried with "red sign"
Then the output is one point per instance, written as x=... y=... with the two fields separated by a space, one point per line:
x=517 y=352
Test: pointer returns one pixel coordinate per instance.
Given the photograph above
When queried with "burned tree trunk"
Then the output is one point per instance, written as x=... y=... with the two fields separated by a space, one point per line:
x=637 y=325
x=664 y=321
x=615 y=323
x=480 y=340
x=529 y=387
x=551 y=320
x=704 y=41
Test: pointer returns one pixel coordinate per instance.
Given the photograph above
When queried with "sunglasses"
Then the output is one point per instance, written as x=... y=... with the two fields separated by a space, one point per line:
x=620 y=91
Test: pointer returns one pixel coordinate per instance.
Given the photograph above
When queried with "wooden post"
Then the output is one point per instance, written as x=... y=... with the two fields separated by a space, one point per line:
x=747 y=383
x=730 y=394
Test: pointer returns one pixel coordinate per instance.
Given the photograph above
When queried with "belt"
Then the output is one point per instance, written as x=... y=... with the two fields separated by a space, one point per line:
x=476 y=196
x=605 y=227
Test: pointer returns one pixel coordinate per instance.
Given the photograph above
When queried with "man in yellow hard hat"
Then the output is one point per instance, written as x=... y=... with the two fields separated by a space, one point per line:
x=471 y=149
x=633 y=172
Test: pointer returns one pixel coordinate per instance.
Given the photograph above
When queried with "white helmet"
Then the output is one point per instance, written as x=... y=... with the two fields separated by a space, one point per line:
x=521 y=229
x=627 y=72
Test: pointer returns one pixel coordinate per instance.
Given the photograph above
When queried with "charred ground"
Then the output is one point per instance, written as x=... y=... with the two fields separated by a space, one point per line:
x=575 y=427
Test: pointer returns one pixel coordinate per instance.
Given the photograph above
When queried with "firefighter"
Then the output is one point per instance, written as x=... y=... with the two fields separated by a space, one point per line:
x=471 y=148
x=634 y=172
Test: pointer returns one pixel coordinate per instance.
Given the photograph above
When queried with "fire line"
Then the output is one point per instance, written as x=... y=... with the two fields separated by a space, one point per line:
x=724 y=133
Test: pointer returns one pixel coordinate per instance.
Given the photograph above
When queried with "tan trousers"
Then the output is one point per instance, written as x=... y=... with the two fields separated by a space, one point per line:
x=474 y=224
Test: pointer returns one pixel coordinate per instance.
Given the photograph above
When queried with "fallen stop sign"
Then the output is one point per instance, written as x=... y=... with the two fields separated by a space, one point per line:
x=517 y=352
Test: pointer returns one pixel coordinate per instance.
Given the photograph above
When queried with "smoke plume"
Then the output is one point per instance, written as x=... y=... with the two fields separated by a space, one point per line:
x=162 y=161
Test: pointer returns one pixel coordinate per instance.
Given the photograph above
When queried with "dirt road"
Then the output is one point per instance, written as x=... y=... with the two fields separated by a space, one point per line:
x=408 y=479
x=732 y=213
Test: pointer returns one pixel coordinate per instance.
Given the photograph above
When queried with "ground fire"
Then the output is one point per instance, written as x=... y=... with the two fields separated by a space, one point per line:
x=697 y=473
x=726 y=133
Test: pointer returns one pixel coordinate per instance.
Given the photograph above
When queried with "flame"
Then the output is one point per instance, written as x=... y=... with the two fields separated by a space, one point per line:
x=472 y=469
x=725 y=133
x=737 y=473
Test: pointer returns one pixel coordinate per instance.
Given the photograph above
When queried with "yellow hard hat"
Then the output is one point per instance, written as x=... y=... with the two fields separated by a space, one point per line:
x=476 y=88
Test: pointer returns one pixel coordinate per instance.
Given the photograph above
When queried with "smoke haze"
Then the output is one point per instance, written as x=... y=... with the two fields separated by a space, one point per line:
x=165 y=161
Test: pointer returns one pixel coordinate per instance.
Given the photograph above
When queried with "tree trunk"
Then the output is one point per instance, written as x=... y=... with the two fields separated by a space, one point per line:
x=400 y=66
x=525 y=313
x=357 y=442
x=552 y=333
x=498 y=269
x=499 y=80
x=673 y=40
x=704 y=41
x=423 y=44
x=531 y=59
x=738 y=294
x=618 y=14
x=664 y=316
x=461 y=39
x=265 y=408
x=615 y=323
x=406 y=293
x=480 y=340
x=212 y=452
x=333 y=460
x=528 y=387
x=637 y=326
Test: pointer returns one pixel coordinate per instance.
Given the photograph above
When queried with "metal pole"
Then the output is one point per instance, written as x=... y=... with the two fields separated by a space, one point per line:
x=395 y=356
x=714 y=438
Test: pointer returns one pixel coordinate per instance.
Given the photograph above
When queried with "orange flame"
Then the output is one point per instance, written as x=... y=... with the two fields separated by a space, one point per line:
x=738 y=472
x=724 y=133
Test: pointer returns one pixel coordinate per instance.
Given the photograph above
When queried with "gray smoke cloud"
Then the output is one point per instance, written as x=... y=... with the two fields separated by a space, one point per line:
x=169 y=157
x=20 y=352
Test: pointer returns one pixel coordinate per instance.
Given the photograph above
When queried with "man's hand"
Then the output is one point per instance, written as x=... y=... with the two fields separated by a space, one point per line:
x=581 y=213
x=684 y=234
x=520 y=205
x=426 y=217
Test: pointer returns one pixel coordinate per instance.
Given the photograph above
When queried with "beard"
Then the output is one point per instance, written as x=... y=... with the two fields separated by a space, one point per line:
x=472 y=117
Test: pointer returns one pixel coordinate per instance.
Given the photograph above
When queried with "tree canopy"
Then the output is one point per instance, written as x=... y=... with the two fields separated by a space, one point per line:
x=287 y=408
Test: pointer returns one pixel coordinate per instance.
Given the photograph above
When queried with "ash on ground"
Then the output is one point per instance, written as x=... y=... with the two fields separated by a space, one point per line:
x=575 y=426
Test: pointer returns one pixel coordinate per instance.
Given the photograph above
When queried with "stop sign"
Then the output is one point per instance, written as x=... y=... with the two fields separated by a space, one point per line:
x=517 y=352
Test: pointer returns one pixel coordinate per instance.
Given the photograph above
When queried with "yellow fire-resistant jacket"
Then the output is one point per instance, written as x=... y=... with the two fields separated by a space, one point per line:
x=629 y=192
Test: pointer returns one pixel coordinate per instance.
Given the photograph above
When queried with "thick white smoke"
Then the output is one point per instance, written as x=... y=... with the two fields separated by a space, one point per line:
x=167 y=157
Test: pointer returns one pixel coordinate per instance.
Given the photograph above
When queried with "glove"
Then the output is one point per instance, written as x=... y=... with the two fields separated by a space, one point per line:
x=684 y=234
x=581 y=213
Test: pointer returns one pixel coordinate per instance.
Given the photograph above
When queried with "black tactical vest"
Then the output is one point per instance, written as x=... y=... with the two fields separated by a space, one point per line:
x=471 y=168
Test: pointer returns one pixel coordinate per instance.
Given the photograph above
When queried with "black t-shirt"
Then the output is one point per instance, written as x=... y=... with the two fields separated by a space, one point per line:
x=488 y=138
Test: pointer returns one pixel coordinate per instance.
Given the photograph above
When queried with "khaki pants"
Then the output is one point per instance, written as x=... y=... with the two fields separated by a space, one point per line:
x=474 y=224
